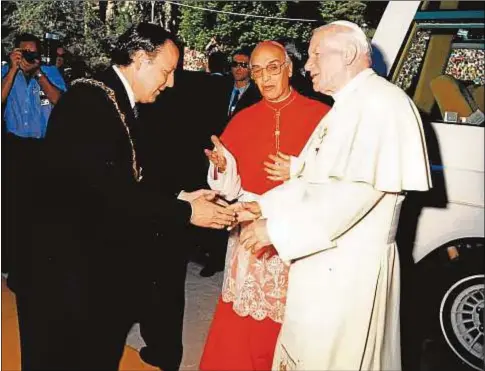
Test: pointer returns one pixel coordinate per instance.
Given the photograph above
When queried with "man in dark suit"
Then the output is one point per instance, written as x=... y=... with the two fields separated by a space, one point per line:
x=243 y=93
x=78 y=284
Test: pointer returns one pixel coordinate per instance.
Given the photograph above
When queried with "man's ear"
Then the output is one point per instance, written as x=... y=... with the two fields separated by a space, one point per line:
x=350 y=53
x=139 y=58
x=290 y=69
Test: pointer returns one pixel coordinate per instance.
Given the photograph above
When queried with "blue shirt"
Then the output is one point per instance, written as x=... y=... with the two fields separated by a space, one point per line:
x=27 y=108
x=233 y=93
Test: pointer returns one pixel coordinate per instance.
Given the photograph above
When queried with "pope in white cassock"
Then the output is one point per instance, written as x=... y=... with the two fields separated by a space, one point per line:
x=335 y=221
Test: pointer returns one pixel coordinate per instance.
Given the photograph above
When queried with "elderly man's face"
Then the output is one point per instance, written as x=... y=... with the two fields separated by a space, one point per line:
x=154 y=75
x=325 y=63
x=271 y=72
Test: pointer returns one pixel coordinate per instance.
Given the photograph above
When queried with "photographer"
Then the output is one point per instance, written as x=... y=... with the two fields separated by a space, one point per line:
x=26 y=58
x=29 y=92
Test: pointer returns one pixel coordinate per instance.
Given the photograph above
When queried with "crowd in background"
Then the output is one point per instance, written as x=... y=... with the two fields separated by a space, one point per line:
x=411 y=65
x=463 y=64
x=467 y=65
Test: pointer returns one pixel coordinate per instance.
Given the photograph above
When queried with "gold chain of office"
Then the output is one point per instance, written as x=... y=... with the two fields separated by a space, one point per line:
x=111 y=95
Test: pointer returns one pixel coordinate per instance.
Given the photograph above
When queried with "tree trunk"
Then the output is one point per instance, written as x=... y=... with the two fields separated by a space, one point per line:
x=110 y=11
x=167 y=15
x=102 y=10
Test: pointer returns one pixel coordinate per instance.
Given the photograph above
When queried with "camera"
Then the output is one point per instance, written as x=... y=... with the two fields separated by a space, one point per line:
x=50 y=44
x=31 y=57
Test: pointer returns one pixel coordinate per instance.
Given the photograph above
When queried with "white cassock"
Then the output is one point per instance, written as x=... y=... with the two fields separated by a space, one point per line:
x=336 y=224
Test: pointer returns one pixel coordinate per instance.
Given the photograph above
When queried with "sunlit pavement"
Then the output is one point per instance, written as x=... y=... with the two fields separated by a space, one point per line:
x=201 y=298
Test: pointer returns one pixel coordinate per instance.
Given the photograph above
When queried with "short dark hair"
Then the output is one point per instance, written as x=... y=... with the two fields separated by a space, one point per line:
x=242 y=51
x=27 y=37
x=144 y=36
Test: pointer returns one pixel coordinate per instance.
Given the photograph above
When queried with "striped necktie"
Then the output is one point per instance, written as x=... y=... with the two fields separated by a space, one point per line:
x=234 y=103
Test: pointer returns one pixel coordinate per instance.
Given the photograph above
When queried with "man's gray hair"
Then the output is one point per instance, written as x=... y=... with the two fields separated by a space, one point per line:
x=355 y=33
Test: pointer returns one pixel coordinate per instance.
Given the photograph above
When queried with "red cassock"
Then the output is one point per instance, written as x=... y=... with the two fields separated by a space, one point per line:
x=244 y=343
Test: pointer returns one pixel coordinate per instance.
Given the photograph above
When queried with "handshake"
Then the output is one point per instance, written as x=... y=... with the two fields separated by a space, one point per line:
x=209 y=210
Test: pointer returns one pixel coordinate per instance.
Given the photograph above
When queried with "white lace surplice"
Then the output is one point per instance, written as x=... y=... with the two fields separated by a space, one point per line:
x=255 y=286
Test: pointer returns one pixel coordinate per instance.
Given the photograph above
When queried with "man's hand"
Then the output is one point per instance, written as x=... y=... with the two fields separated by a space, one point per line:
x=206 y=213
x=216 y=156
x=191 y=196
x=246 y=211
x=254 y=237
x=15 y=58
x=279 y=170
x=209 y=195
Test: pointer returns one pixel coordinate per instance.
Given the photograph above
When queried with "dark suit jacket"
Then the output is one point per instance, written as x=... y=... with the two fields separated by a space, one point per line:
x=93 y=217
x=177 y=129
x=250 y=96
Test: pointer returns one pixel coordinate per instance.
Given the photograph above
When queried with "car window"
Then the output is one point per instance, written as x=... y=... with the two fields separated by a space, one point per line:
x=442 y=66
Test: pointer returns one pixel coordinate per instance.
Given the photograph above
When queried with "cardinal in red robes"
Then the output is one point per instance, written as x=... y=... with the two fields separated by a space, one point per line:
x=258 y=149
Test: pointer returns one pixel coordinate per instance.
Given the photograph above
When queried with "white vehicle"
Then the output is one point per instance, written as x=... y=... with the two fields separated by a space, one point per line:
x=435 y=52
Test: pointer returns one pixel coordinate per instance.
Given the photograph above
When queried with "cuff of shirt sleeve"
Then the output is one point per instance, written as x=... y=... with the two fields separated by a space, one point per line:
x=278 y=237
x=264 y=205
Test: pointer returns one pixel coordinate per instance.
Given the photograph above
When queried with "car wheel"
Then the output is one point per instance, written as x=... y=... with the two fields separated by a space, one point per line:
x=461 y=319
x=449 y=300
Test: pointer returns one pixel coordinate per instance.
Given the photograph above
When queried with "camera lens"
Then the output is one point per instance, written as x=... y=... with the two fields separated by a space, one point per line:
x=29 y=56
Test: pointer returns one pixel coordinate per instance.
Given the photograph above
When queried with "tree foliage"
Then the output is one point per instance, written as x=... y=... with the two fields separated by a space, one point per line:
x=77 y=23
x=89 y=27
x=343 y=10
x=82 y=28
x=197 y=27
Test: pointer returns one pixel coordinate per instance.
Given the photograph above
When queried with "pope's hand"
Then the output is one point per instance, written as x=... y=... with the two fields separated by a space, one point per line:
x=207 y=213
x=279 y=170
x=216 y=156
x=246 y=211
x=255 y=236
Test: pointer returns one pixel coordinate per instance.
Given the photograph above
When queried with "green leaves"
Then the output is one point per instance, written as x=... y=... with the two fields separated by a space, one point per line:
x=89 y=27
x=197 y=27
x=343 y=10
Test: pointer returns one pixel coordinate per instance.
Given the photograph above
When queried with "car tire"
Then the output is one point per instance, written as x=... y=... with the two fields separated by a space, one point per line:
x=451 y=292
x=461 y=319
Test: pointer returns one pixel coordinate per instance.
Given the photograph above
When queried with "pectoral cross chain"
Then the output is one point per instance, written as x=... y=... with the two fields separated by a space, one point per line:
x=277 y=114
x=277 y=131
